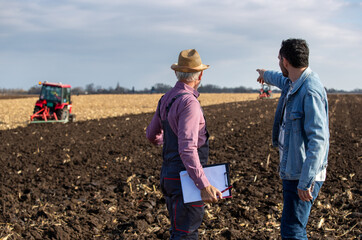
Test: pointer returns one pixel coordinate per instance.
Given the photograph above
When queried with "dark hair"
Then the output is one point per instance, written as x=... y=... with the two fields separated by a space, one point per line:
x=296 y=51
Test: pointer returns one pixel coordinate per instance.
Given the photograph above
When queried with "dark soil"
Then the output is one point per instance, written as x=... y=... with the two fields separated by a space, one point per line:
x=100 y=179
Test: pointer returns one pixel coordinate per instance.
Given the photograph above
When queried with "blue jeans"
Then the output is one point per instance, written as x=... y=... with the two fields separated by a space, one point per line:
x=295 y=211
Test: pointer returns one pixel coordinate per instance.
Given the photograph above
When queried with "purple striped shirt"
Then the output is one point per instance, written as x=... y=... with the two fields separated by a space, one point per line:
x=187 y=122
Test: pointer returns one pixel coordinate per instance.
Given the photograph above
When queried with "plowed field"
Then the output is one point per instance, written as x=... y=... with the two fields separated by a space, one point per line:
x=99 y=179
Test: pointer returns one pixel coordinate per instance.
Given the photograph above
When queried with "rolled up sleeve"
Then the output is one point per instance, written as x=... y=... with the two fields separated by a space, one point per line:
x=188 y=136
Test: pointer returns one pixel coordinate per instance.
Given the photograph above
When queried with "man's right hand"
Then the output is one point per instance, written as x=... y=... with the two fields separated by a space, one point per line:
x=210 y=194
x=261 y=75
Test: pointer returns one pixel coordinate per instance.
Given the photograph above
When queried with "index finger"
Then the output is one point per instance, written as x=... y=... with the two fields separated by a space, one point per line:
x=219 y=194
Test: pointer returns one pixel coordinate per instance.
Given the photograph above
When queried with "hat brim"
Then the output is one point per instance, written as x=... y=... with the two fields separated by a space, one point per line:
x=178 y=68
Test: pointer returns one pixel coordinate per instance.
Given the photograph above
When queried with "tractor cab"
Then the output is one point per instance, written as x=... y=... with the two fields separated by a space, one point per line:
x=55 y=93
x=54 y=103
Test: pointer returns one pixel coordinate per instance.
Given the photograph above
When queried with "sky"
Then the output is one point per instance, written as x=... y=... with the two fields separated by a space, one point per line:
x=133 y=43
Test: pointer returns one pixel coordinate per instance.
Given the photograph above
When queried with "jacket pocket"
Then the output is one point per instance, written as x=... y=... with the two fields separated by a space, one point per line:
x=297 y=121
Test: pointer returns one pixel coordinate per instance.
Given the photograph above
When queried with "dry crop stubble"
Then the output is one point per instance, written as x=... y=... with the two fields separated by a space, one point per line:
x=16 y=112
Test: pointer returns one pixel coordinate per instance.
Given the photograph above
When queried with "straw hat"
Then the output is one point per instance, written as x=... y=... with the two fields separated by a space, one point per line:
x=189 y=61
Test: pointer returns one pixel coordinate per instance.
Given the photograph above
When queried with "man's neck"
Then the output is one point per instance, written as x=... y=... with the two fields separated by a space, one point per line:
x=295 y=73
x=190 y=83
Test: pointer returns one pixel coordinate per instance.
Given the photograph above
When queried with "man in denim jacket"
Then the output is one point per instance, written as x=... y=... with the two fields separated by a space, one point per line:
x=301 y=132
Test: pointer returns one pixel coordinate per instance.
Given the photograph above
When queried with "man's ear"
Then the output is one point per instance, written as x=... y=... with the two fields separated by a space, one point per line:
x=200 y=75
x=285 y=62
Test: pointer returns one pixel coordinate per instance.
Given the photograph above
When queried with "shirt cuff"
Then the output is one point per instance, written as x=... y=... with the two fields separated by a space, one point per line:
x=202 y=183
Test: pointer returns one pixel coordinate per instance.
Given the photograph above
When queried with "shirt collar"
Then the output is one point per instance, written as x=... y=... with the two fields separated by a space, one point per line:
x=295 y=85
x=184 y=86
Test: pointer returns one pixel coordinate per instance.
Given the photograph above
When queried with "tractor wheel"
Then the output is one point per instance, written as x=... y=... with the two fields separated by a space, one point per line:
x=72 y=118
x=36 y=109
x=62 y=114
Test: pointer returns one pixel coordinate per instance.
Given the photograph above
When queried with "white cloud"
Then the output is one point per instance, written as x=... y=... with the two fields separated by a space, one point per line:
x=235 y=36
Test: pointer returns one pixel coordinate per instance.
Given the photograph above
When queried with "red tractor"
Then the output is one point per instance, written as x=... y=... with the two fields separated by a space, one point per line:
x=54 y=104
x=265 y=92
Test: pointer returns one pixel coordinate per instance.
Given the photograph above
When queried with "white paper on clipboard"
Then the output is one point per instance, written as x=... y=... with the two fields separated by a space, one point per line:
x=218 y=176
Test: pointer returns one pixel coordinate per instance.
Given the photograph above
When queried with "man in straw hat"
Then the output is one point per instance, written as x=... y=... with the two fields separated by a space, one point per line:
x=179 y=125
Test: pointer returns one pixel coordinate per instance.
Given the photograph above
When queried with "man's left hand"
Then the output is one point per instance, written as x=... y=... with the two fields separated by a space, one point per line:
x=305 y=195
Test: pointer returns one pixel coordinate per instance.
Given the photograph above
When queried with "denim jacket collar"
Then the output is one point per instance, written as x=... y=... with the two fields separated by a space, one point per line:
x=296 y=85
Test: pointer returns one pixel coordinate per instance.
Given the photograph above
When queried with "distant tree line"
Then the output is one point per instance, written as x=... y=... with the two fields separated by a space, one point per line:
x=12 y=91
x=157 y=88
x=332 y=90
x=216 y=89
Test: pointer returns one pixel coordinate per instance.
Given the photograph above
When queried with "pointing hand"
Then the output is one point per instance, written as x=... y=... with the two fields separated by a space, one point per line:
x=261 y=75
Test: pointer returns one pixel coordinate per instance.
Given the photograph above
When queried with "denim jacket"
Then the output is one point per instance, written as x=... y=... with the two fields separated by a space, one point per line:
x=306 y=139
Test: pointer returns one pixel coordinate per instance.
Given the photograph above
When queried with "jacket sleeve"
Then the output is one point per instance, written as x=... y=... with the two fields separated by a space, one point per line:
x=317 y=134
x=275 y=78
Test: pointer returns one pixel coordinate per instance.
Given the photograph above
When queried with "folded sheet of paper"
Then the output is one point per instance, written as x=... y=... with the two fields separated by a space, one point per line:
x=218 y=176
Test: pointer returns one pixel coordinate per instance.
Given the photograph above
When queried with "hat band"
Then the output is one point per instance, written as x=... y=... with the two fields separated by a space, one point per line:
x=177 y=67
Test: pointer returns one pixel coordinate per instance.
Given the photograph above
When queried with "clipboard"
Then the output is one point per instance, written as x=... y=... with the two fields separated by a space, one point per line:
x=218 y=176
